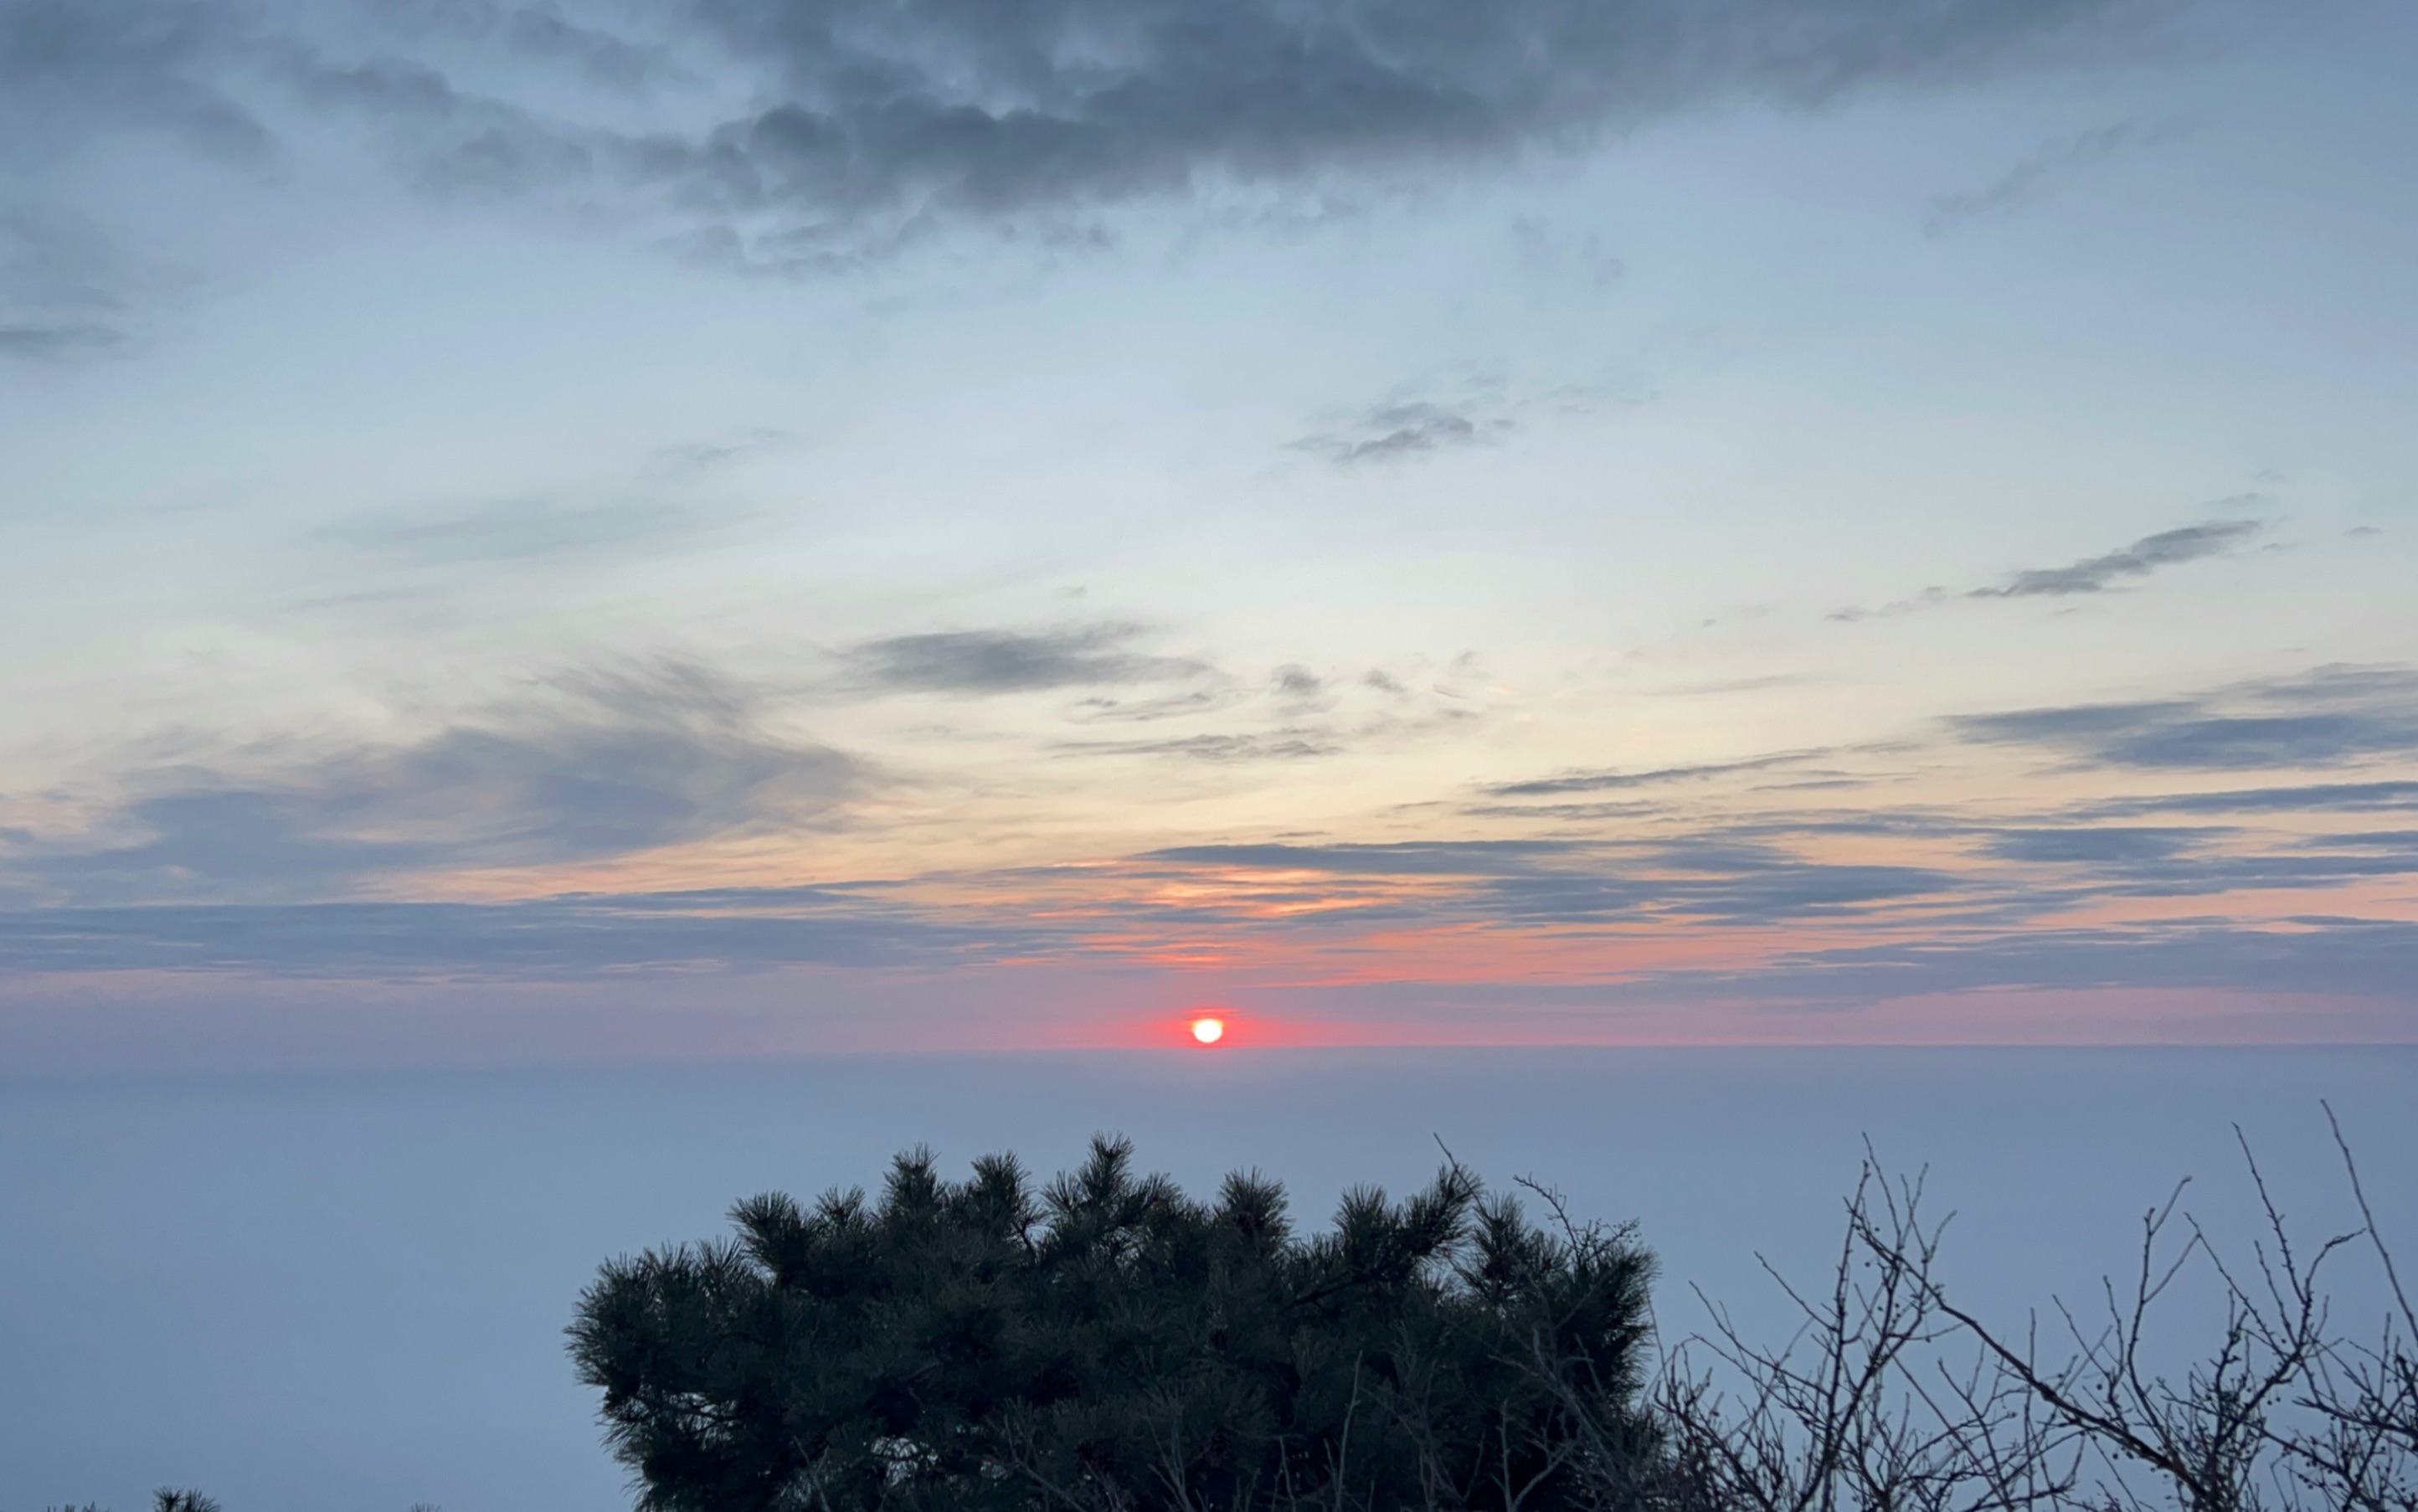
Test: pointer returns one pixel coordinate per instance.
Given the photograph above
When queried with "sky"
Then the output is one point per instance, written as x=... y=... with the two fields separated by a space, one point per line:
x=671 y=527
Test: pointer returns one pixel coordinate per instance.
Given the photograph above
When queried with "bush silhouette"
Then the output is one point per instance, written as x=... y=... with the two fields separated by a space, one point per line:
x=1106 y=1341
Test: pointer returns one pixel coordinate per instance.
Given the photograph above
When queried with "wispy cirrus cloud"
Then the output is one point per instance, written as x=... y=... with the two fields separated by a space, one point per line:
x=1567 y=882
x=983 y=663
x=540 y=35
x=1455 y=410
x=67 y=291
x=2325 y=718
x=1392 y=431
x=1443 y=858
x=570 y=939
x=1222 y=749
x=2106 y=573
x=1568 y=783
x=2040 y=171
x=587 y=766
x=2346 y=956
x=1151 y=708
x=2304 y=797
x=651 y=504
x=2097 y=575
x=504 y=530
x=2093 y=845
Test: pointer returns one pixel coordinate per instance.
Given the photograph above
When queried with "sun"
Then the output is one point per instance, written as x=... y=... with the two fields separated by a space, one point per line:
x=1208 y=1030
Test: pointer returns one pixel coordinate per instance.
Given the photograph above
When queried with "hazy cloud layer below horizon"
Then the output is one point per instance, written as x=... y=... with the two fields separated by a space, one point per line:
x=440 y=1225
x=1519 y=521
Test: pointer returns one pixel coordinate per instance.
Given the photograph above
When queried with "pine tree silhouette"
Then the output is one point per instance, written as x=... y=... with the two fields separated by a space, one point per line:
x=1107 y=1342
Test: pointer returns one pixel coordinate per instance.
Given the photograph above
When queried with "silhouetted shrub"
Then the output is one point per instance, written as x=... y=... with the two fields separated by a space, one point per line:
x=1107 y=1342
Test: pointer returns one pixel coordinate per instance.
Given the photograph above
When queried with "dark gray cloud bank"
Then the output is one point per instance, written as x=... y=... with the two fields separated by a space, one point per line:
x=870 y=124
x=965 y=105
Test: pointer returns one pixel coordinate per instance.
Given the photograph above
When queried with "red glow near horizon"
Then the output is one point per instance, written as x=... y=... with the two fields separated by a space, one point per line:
x=1207 y=1029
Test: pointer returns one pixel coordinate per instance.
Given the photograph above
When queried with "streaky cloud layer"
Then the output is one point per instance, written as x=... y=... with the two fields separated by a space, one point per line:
x=951 y=522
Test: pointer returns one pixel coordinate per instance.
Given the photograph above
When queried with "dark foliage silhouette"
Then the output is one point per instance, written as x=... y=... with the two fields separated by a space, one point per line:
x=1107 y=1342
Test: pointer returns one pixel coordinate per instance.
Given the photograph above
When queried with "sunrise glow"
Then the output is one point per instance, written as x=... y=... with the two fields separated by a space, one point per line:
x=1208 y=1030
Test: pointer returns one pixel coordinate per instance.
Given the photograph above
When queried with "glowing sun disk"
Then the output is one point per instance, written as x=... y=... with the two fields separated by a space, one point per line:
x=1208 y=1030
